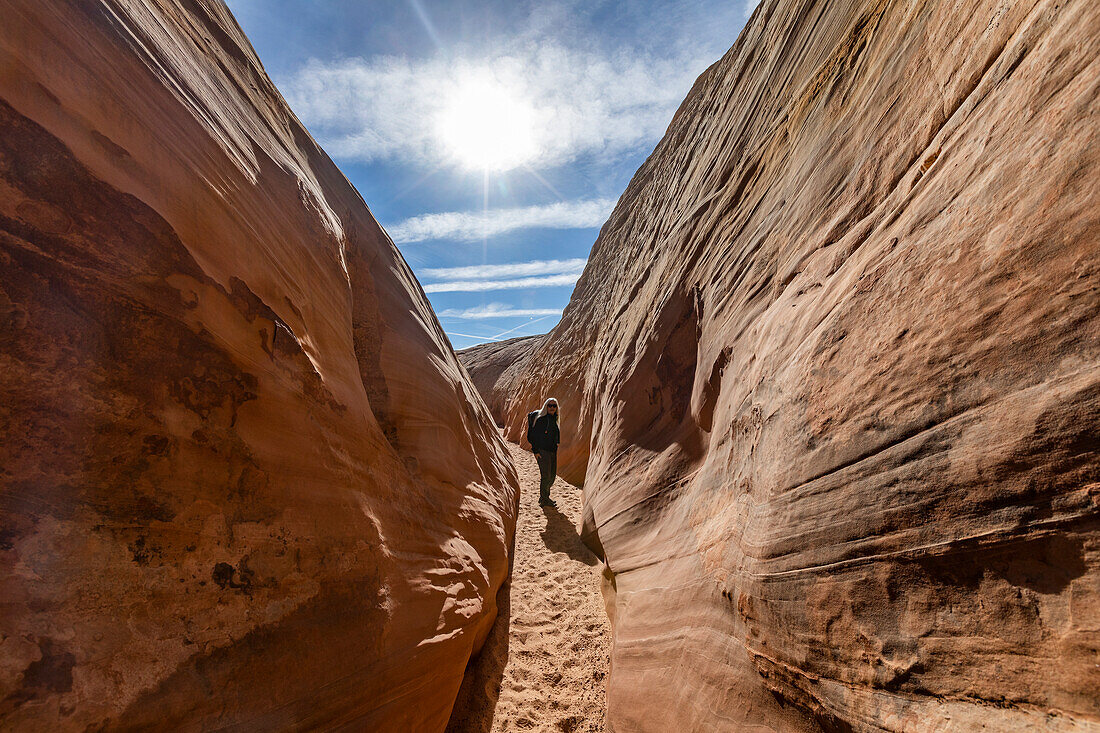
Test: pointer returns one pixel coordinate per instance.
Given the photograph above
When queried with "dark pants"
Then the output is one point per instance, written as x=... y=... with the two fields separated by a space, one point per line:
x=548 y=467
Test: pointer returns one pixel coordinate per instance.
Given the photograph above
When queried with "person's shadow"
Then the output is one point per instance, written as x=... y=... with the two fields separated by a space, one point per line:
x=561 y=536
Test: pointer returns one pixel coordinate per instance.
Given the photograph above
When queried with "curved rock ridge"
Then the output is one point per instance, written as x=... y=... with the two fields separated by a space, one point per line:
x=831 y=379
x=488 y=364
x=245 y=481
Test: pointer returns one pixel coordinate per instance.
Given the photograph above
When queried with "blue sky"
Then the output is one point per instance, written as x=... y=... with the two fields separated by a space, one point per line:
x=491 y=139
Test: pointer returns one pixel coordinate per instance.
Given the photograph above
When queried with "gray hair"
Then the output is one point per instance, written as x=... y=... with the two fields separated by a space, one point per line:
x=550 y=401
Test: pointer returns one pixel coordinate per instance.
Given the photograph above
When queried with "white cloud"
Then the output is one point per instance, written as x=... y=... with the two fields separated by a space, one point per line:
x=584 y=100
x=475 y=286
x=473 y=226
x=498 y=310
x=514 y=269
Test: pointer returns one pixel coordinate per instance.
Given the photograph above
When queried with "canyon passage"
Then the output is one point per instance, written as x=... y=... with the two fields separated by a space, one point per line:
x=544 y=666
x=830 y=385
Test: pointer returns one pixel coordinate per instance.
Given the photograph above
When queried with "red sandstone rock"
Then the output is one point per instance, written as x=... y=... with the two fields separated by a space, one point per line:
x=832 y=379
x=490 y=363
x=245 y=481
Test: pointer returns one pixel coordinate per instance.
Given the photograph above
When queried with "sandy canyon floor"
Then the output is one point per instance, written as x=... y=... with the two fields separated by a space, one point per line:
x=556 y=654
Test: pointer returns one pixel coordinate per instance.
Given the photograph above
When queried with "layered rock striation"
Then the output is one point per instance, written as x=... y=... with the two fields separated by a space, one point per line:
x=831 y=379
x=244 y=481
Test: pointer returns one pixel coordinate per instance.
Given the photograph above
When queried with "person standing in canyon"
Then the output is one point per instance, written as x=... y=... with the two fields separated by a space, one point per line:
x=544 y=436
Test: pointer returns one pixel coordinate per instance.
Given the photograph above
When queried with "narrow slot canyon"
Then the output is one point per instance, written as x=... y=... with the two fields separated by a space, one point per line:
x=545 y=664
x=828 y=370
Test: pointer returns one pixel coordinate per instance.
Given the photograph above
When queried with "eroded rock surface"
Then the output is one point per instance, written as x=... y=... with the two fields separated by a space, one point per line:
x=245 y=482
x=832 y=379
x=496 y=362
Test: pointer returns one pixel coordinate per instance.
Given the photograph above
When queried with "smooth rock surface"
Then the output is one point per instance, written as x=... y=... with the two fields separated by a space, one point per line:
x=244 y=481
x=495 y=362
x=832 y=379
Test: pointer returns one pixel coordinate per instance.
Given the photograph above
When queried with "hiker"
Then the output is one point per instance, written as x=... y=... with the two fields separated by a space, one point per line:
x=544 y=436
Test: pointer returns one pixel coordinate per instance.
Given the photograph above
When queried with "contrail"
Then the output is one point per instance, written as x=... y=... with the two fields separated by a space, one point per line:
x=471 y=336
x=426 y=22
x=522 y=325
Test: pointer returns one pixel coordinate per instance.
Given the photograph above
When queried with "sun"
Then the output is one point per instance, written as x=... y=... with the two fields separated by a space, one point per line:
x=486 y=126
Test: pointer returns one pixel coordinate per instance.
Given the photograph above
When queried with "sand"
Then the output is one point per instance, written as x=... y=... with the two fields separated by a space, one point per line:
x=549 y=669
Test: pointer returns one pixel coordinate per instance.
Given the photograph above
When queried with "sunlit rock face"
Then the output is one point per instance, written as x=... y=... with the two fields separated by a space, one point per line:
x=496 y=362
x=245 y=482
x=832 y=379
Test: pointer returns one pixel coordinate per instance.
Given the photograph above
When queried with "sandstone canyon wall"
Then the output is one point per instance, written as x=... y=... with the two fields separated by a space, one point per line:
x=245 y=482
x=831 y=379
x=488 y=364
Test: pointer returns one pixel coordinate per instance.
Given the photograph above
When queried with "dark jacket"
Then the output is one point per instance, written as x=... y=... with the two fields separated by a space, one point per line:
x=544 y=434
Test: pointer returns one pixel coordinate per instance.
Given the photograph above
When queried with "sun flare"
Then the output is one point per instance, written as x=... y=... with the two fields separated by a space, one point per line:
x=486 y=126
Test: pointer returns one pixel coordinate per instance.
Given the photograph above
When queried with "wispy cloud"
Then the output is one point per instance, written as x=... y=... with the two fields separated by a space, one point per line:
x=476 y=286
x=513 y=269
x=584 y=100
x=473 y=226
x=517 y=275
x=498 y=310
